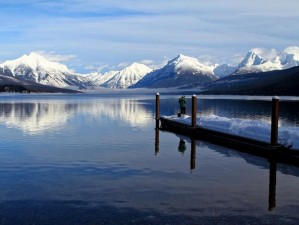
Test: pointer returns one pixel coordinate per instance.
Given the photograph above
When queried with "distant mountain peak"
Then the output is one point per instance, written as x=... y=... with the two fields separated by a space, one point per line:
x=128 y=76
x=187 y=63
x=180 y=57
x=34 y=54
x=252 y=59
x=33 y=61
x=179 y=71
x=254 y=62
x=36 y=68
x=136 y=66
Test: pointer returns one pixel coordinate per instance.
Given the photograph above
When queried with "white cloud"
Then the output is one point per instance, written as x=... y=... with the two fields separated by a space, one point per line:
x=292 y=50
x=153 y=64
x=99 y=68
x=147 y=62
x=266 y=53
x=54 y=57
x=123 y=65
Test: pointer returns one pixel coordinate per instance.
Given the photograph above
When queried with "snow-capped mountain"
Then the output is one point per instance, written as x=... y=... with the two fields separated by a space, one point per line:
x=290 y=57
x=252 y=59
x=100 y=79
x=14 y=85
x=34 y=67
x=128 y=76
x=224 y=70
x=182 y=70
x=254 y=63
x=277 y=82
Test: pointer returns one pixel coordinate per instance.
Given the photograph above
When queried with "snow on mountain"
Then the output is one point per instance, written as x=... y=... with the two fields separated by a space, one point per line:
x=277 y=82
x=34 y=67
x=99 y=79
x=128 y=76
x=290 y=57
x=266 y=66
x=252 y=59
x=254 y=63
x=185 y=63
x=182 y=70
x=224 y=70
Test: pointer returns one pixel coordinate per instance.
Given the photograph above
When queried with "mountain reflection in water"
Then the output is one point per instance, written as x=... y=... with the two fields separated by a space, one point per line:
x=42 y=116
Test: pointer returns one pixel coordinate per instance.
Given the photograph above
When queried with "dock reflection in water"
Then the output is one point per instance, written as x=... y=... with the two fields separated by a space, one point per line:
x=272 y=184
x=182 y=148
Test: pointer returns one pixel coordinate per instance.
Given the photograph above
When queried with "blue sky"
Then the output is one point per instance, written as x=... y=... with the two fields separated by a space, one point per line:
x=98 y=35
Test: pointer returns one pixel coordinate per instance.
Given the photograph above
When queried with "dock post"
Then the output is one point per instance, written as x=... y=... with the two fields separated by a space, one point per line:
x=157 y=109
x=193 y=154
x=157 y=140
x=272 y=185
x=193 y=111
x=274 y=120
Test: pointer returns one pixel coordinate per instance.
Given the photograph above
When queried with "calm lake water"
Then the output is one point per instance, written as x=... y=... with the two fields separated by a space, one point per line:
x=97 y=159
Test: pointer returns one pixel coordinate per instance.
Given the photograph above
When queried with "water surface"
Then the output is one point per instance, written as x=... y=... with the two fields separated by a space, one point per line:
x=94 y=159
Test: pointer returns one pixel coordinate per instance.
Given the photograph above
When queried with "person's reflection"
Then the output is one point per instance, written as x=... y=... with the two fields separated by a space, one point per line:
x=182 y=146
x=182 y=149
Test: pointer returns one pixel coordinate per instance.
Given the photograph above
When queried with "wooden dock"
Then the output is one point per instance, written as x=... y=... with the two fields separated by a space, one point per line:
x=239 y=143
x=270 y=150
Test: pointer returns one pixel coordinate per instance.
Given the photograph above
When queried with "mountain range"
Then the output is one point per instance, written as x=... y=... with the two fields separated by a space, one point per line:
x=256 y=63
x=179 y=71
x=127 y=77
x=277 y=82
x=35 y=68
x=12 y=84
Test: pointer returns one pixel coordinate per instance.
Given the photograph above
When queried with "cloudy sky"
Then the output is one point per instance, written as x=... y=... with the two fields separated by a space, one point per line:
x=99 y=35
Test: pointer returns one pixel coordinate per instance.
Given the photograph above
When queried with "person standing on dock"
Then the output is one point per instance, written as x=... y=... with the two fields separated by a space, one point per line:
x=182 y=102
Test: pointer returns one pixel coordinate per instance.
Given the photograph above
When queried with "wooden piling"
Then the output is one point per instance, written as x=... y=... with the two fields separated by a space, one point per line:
x=157 y=140
x=193 y=154
x=274 y=120
x=157 y=109
x=272 y=185
x=193 y=124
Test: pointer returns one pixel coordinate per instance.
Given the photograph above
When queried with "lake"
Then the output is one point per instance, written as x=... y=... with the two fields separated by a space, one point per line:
x=98 y=159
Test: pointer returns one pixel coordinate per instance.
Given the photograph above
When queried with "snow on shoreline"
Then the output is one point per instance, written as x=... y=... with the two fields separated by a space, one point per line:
x=255 y=129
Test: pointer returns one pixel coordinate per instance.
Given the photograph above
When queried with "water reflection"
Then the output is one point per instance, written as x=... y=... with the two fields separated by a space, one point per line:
x=272 y=184
x=35 y=117
x=272 y=166
x=39 y=117
x=99 y=160
x=182 y=146
x=251 y=109
x=157 y=140
x=193 y=154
